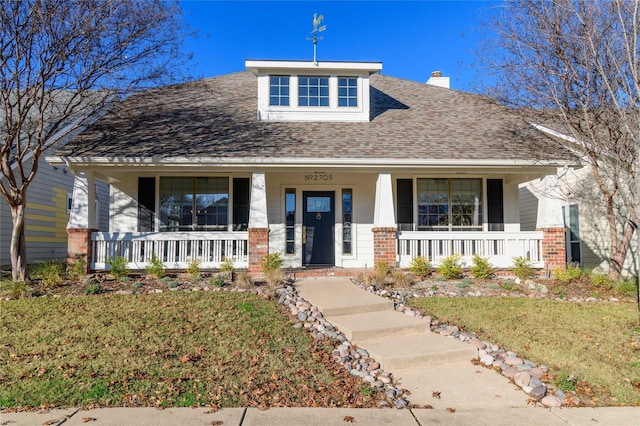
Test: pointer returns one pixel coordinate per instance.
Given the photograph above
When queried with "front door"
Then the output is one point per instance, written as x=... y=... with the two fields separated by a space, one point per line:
x=318 y=228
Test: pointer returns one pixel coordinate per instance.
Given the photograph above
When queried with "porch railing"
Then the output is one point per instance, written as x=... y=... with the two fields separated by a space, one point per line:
x=176 y=250
x=499 y=247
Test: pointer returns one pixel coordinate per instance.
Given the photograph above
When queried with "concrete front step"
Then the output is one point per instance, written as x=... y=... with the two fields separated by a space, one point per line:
x=338 y=296
x=417 y=349
x=374 y=325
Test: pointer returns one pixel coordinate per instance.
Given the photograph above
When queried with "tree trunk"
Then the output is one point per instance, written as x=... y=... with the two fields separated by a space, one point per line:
x=18 y=247
x=619 y=251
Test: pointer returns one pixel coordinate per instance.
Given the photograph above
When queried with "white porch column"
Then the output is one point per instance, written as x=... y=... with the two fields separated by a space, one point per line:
x=384 y=214
x=83 y=208
x=550 y=205
x=258 y=210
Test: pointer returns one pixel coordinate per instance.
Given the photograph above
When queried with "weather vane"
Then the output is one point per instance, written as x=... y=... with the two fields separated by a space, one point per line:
x=317 y=20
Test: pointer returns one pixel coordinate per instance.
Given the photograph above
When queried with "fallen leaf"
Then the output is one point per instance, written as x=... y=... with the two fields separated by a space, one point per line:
x=349 y=419
x=435 y=394
x=217 y=423
x=49 y=422
x=88 y=419
x=451 y=410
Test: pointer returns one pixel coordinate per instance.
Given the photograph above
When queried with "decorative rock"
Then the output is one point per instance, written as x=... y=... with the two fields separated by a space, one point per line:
x=400 y=403
x=536 y=372
x=537 y=392
x=487 y=360
x=551 y=401
x=124 y=292
x=591 y=299
x=383 y=404
x=363 y=352
x=297 y=325
x=373 y=366
x=522 y=379
x=385 y=379
x=302 y=316
x=477 y=343
x=513 y=361
x=509 y=372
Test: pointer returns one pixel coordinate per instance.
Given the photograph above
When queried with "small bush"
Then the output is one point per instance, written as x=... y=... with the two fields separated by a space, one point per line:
x=509 y=285
x=76 y=270
x=49 y=273
x=274 y=279
x=137 y=285
x=421 y=267
x=271 y=262
x=118 y=266
x=93 y=289
x=217 y=281
x=15 y=289
x=400 y=278
x=450 y=267
x=601 y=281
x=571 y=273
x=481 y=268
x=227 y=265
x=173 y=284
x=565 y=382
x=627 y=287
x=155 y=267
x=378 y=276
x=245 y=281
x=194 y=269
x=523 y=268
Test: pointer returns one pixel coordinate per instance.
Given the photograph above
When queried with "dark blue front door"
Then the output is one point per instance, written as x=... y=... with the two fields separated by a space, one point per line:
x=319 y=222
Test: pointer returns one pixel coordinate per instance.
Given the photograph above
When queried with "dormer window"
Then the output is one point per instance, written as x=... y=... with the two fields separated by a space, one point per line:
x=279 y=90
x=313 y=91
x=347 y=92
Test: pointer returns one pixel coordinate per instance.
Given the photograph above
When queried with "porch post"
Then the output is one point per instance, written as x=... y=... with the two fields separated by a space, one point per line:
x=258 y=222
x=384 y=222
x=82 y=220
x=551 y=223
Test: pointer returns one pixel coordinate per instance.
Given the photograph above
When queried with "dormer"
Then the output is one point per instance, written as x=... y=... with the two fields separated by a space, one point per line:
x=313 y=91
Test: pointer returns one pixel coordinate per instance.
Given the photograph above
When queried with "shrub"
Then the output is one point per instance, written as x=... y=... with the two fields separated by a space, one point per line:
x=271 y=262
x=244 y=280
x=15 y=289
x=571 y=273
x=522 y=268
x=481 y=268
x=194 y=269
x=400 y=278
x=601 y=281
x=450 y=267
x=627 y=287
x=76 y=270
x=118 y=266
x=420 y=266
x=49 y=273
x=227 y=265
x=378 y=276
x=93 y=289
x=217 y=281
x=155 y=267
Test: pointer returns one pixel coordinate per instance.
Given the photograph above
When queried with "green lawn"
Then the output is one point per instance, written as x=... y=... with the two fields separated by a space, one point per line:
x=599 y=343
x=172 y=349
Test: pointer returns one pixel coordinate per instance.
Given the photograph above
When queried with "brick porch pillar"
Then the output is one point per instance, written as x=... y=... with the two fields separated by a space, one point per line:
x=385 y=245
x=79 y=247
x=554 y=248
x=258 y=247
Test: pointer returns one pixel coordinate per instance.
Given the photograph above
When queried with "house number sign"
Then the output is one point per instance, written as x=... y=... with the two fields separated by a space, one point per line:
x=316 y=177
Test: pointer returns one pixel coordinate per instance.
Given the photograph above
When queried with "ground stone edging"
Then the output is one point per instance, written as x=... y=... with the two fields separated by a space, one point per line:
x=524 y=373
x=354 y=359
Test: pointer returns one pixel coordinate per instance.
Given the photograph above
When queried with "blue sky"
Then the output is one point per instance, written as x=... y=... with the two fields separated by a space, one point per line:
x=410 y=38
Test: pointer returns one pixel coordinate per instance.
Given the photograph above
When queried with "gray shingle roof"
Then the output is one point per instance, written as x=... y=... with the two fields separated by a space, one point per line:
x=217 y=117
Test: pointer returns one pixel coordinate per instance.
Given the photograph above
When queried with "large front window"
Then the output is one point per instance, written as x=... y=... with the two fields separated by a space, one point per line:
x=449 y=204
x=313 y=91
x=194 y=204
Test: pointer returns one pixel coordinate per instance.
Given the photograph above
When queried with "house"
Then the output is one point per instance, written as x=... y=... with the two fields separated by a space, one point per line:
x=326 y=163
x=49 y=200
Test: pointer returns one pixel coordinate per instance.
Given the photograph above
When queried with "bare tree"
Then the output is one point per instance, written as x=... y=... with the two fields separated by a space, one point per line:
x=60 y=61
x=574 y=66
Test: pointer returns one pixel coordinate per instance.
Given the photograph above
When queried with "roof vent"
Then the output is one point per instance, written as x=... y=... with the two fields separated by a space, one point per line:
x=437 y=79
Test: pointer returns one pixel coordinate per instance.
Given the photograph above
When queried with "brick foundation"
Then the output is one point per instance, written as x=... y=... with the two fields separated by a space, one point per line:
x=554 y=248
x=258 y=247
x=385 y=245
x=79 y=246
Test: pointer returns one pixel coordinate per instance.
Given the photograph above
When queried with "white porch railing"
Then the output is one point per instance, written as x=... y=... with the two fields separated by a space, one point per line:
x=499 y=247
x=175 y=249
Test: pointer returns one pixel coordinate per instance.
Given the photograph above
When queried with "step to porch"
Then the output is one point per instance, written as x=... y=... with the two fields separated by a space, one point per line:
x=416 y=350
x=372 y=325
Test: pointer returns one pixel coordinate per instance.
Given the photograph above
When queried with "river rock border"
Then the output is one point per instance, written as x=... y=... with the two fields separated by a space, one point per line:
x=526 y=374
x=354 y=359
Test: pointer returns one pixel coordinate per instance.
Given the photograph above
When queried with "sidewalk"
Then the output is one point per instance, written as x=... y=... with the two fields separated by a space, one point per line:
x=531 y=416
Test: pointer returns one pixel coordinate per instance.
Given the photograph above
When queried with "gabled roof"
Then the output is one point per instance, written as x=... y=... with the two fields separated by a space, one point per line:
x=217 y=118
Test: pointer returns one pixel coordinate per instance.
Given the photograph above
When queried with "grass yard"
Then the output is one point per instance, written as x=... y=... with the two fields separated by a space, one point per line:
x=220 y=349
x=598 y=343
